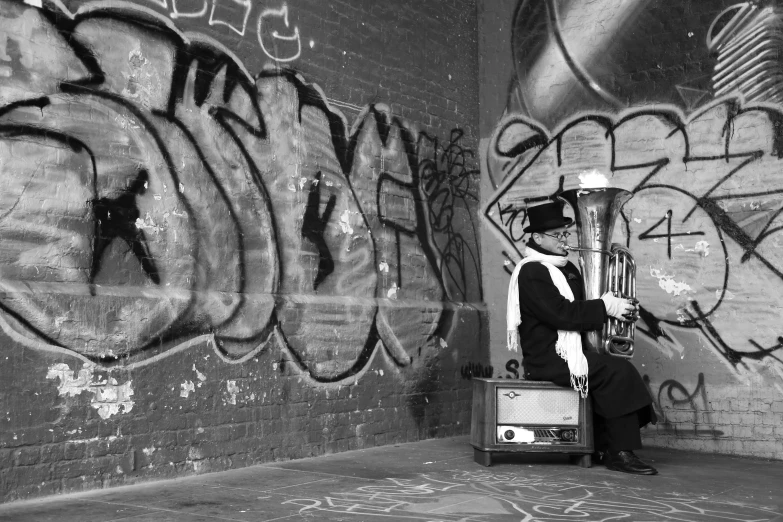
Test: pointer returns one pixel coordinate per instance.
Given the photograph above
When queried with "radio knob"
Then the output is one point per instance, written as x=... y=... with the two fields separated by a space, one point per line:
x=509 y=434
x=567 y=435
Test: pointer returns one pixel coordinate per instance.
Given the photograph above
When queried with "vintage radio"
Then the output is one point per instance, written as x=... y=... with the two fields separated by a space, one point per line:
x=517 y=416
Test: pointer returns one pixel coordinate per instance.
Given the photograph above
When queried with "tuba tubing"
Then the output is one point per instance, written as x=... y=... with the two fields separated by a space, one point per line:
x=605 y=267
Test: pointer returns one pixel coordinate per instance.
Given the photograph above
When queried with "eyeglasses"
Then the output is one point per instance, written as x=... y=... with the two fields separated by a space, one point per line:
x=560 y=235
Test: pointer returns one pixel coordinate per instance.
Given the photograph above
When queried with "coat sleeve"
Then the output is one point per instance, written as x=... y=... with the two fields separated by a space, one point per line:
x=539 y=297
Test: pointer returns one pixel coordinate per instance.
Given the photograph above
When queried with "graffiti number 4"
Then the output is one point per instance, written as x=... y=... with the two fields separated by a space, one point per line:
x=668 y=235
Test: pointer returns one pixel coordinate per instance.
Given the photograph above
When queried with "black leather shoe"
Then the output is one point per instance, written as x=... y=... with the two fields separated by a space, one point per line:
x=627 y=462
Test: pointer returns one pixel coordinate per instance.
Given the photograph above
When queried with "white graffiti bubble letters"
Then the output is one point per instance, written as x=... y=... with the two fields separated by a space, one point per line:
x=214 y=20
x=176 y=13
x=265 y=17
x=235 y=15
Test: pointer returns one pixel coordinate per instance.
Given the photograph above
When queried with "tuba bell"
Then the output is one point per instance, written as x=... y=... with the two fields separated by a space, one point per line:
x=605 y=267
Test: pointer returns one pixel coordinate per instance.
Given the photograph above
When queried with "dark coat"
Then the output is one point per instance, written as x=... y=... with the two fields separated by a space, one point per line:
x=615 y=386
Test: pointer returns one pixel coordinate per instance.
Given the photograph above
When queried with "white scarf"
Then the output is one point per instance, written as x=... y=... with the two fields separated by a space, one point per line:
x=569 y=343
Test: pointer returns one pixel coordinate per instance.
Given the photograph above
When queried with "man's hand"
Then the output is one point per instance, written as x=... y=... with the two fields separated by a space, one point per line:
x=620 y=308
x=633 y=316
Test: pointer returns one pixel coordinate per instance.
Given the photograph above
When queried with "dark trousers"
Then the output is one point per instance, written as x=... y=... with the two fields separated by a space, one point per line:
x=617 y=434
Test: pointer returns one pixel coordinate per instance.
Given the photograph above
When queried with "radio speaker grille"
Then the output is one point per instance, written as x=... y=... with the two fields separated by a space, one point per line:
x=532 y=406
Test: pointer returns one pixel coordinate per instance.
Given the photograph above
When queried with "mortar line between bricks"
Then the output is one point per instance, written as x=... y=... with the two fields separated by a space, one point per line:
x=154 y=509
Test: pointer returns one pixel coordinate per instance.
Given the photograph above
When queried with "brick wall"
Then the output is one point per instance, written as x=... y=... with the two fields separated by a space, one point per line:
x=232 y=235
x=646 y=93
x=741 y=422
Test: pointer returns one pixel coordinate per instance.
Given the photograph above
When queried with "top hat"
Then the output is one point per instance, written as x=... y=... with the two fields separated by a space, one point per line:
x=546 y=217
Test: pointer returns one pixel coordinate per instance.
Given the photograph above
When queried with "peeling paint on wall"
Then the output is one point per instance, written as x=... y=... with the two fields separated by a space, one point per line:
x=108 y=396
x=187 y=388
x=112 y=398
x=233 y=390
x=703 y=248
x=345 y=222
x=668 y=284
x=71 y=383
x=200 y=376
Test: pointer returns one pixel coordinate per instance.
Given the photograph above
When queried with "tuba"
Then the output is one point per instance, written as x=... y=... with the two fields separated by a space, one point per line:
x=605 y=267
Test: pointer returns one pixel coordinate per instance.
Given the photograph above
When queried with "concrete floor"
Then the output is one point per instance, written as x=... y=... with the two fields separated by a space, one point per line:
x=437 y=481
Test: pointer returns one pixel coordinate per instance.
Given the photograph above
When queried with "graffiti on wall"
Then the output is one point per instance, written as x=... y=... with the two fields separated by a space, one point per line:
x=448 y=182
x=692 y=128
x=681 y=411
x=476 y=369
x=158 y=194
x=276 y=36
x=563 y=66
x=704 y=223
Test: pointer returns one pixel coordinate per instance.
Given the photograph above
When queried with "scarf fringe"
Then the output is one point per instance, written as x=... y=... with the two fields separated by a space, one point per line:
x=579 y=384
x=512 y=340
x=569 y=348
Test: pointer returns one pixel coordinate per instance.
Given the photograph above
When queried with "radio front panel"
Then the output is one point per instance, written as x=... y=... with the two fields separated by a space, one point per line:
x=537 y=407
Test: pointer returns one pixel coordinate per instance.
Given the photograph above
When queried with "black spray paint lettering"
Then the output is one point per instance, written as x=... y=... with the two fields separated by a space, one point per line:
x=475 y=369
x=179 y=220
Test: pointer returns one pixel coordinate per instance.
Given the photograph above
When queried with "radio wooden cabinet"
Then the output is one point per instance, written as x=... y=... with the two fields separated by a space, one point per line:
x=518 y=416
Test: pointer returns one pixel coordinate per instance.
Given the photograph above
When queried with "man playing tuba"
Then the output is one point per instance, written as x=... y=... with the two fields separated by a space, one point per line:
x=547 y=313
